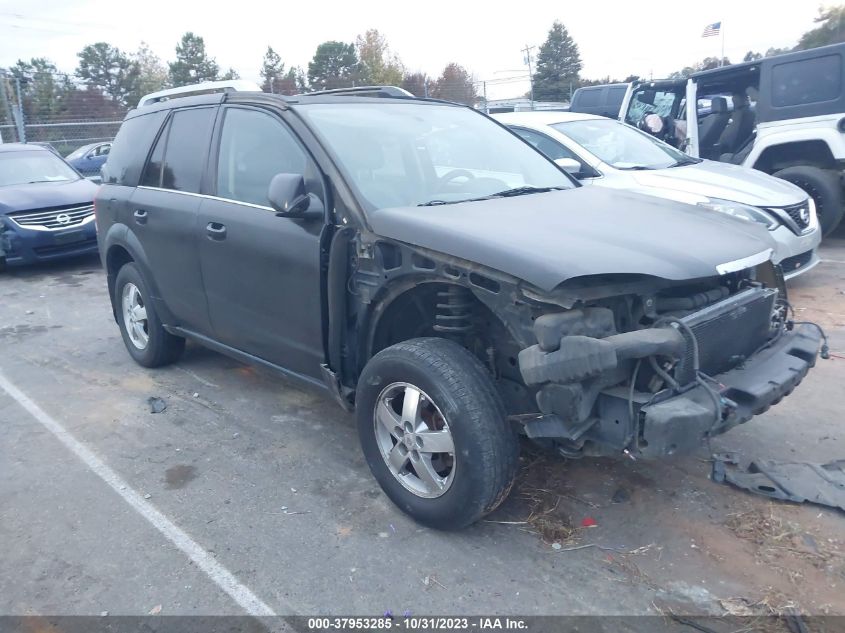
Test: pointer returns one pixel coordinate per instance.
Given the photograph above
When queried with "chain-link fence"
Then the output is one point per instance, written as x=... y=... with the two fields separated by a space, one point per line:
x=56 y=109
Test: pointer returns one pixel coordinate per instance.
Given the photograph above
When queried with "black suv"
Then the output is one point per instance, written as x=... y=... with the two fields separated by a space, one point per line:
x=431 y=270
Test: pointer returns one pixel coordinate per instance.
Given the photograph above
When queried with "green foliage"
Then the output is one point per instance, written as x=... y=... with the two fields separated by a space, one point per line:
x=558 y=66
x=152 y=74
x=379 y=65
x=106 y=67
x=192 y=65
x=44 y=91
x=230 y=75
x=276 y=79
x=418 y=84
x=831 y=29
x=455 y=84
x=705 y=64
x=334 y=65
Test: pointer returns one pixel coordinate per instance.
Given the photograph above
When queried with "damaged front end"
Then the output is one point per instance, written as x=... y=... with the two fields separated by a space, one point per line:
x=658 y=370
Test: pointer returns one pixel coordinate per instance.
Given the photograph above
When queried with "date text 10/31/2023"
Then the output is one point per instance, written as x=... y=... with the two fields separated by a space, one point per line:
x=417 y=623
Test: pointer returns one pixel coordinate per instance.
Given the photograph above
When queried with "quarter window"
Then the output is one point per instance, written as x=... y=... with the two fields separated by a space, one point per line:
x=807 y=81
x=254 y=147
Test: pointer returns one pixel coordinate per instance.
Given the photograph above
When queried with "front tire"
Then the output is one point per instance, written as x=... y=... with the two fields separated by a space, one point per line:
x=434 y=432
x=825 y=189
x=149 y=344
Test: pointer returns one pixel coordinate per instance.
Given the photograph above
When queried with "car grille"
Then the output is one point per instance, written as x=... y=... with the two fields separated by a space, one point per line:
x=53 y=219
x=797 y=216
x=728 y=332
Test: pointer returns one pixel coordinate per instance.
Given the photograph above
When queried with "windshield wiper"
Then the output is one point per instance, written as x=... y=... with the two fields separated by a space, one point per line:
x=507 y=193
x=522 y=191
x=636 y=168
x=686 y=161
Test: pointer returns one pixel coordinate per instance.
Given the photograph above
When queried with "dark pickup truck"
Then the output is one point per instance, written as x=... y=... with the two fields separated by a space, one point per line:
x=436 y=274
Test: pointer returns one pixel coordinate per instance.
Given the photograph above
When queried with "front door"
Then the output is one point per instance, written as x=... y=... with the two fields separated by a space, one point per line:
x=261 y=272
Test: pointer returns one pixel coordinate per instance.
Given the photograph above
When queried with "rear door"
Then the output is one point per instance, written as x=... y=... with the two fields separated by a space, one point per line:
x=164 y=213
x=261 y=272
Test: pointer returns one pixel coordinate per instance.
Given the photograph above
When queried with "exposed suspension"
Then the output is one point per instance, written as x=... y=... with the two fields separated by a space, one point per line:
x=454 y=311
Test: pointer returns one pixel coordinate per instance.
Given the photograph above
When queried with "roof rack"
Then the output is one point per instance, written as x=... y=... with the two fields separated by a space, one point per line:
x=362 y=91
x=236 y=85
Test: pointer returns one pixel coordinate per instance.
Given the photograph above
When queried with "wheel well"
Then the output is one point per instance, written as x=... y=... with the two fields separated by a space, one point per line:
x=777 y=157
x=419 y=312
x=116 y=258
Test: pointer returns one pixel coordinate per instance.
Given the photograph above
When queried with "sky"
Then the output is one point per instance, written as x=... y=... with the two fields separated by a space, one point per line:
x=616 y=38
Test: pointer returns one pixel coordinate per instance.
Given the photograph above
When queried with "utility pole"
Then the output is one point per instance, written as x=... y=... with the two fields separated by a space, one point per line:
x=19 y=113
x=527 y=50
x=484 y=88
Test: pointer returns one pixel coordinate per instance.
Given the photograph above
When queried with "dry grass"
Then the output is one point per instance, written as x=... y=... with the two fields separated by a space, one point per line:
x=539 y=485
x=774 y=535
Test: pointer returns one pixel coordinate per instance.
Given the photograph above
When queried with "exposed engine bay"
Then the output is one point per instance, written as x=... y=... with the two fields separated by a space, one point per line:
x=655 y=373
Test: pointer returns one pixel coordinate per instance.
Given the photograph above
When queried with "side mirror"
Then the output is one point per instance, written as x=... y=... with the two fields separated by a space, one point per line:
x=287 y=195
x=569 y=165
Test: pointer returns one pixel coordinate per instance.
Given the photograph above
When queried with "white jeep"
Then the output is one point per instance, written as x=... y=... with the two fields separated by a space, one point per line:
x=784 y=115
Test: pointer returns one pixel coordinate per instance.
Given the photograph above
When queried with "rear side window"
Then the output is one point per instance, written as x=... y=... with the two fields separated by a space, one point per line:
x=588 y=98
x=187 y=148
x=130 y=148
x=616 y=94
x=807 y=81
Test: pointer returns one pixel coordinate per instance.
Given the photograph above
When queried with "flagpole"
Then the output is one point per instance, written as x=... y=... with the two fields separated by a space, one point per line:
x=722 y=57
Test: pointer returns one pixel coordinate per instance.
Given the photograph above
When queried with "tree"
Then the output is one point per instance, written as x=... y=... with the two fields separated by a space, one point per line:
x=192 y=64
x=705 y=64
x=106 y=67
x=455 y=84
x=379 y=66
x=418 y=84
x=752 y=56
x=335 y=65
x=44 y=91
x=276 y=79
x=230 y=74
x=152 y=74
x=558 y=66
x=831 y=29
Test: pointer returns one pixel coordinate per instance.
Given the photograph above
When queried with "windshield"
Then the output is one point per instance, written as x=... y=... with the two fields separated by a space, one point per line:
x=79 y=153
x=622 y=146
x=664 y=103
x=407 y=154
x=25 y=167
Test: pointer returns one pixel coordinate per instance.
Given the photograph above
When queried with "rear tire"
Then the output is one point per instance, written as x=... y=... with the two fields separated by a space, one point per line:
x=149 y=344
x=825 y=189
x=456 y=396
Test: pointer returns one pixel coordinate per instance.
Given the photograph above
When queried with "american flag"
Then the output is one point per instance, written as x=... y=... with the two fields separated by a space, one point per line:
x=712 y=29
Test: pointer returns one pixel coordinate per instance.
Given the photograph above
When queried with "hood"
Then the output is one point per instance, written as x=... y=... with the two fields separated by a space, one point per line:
x=46 y=194
x=720 y=180
x=548 y=238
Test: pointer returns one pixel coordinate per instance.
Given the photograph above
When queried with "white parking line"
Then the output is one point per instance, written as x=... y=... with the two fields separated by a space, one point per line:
x=218 y=574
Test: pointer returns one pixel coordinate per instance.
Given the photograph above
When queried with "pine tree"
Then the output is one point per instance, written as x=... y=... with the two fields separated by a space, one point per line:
x=335 y=65
x=192 y=65
x=558 y=66
x=455 y=84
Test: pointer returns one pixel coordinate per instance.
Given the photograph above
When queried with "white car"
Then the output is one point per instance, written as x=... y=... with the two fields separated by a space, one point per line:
x=604 y=152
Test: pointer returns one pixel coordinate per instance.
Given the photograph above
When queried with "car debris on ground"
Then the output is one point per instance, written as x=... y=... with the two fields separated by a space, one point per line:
x=800 y=482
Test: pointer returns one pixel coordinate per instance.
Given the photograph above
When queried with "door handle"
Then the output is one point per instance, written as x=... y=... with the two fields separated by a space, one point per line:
x=140 y=216
x=216 y=231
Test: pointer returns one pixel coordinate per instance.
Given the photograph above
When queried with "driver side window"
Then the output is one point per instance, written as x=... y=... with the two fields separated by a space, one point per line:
x=254 y=147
